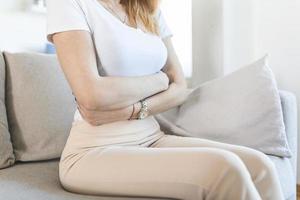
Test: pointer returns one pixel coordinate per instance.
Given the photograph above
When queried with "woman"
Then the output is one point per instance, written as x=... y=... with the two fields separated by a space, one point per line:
x=119 y=60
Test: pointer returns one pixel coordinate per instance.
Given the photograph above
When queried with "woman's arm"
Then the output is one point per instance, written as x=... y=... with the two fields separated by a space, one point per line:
x=175 y=95
x=76 y=53
x=98 y=117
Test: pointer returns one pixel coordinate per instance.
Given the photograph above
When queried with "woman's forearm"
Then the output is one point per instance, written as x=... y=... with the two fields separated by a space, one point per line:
x=175 y=95
x=112 y=93
x=99 y=117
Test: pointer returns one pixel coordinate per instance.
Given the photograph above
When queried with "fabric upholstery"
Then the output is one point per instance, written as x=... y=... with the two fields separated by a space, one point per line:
x=7 y=157
x=40 y=105
x=241 y=108
x=289 y=109
x=286 y=175
x=39 y=180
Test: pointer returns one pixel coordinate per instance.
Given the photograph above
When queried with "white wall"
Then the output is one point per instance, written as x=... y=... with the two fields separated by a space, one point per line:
x=239 y=33
x=23 y=32
x=224 y=37
x=229 y=34
x=21 y=29
x=180 y=26
x=12 y=5
x=207 y=40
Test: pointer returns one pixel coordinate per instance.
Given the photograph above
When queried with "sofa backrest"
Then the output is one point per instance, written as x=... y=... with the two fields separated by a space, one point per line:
x=39 y=103
x=7 y=157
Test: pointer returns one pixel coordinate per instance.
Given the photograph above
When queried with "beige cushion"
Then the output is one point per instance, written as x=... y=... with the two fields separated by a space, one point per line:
x=242 y=108
x=6 y=151
x=40 y=105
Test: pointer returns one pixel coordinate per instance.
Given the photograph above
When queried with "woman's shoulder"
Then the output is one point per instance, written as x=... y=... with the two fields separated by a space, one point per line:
x=67 y=3
x=65 y=15
x=77 y=7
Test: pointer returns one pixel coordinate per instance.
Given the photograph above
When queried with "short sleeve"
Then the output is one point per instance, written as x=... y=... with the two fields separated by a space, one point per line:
x=65 y=15
x=164 y=29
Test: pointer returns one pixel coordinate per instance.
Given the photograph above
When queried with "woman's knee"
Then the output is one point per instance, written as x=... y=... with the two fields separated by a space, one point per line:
x=256 y=157
x=229 y=162
x=225 y=168
x=260 y=162
x=66 y=179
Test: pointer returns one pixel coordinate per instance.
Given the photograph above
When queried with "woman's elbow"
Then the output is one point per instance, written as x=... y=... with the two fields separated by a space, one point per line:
x=89 y=99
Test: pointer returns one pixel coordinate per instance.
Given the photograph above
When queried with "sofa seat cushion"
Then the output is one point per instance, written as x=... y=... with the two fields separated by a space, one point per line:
x=39 y=180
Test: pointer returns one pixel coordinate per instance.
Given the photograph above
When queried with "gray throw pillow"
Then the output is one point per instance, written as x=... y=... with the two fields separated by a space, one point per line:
x=242 y=108
x=7 y=157
x=40 y=105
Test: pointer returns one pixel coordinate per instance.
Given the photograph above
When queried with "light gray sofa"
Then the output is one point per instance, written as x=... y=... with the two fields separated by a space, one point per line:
x=38 y=180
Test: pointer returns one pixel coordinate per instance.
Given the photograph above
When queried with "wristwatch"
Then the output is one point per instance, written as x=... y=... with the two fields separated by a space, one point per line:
x=144 y=112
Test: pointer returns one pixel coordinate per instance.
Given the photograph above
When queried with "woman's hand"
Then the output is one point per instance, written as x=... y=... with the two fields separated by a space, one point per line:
x=99 y=117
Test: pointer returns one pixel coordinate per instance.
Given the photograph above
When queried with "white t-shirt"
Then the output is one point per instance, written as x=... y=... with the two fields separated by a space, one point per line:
x=121 y=50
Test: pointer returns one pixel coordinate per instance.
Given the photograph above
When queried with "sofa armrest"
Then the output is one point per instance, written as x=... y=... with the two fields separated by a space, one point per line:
x=289 y=109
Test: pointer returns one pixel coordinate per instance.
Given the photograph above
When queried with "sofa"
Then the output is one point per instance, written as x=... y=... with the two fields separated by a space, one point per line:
x=38 y=180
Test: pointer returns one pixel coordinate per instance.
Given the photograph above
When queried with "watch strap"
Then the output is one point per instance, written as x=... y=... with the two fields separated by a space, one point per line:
x=144 y=109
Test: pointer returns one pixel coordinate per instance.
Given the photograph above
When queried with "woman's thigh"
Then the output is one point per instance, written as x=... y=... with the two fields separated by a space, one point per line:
x=259 y=165
x=181 y=173
x=248 y=155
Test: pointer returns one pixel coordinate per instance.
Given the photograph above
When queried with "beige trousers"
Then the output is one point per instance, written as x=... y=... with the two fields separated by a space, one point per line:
x=167 y=166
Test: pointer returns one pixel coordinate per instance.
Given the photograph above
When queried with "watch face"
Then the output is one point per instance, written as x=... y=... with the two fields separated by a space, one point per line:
x=143 y=115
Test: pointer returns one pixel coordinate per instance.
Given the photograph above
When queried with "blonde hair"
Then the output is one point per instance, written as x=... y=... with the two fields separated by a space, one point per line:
x=143 y=11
